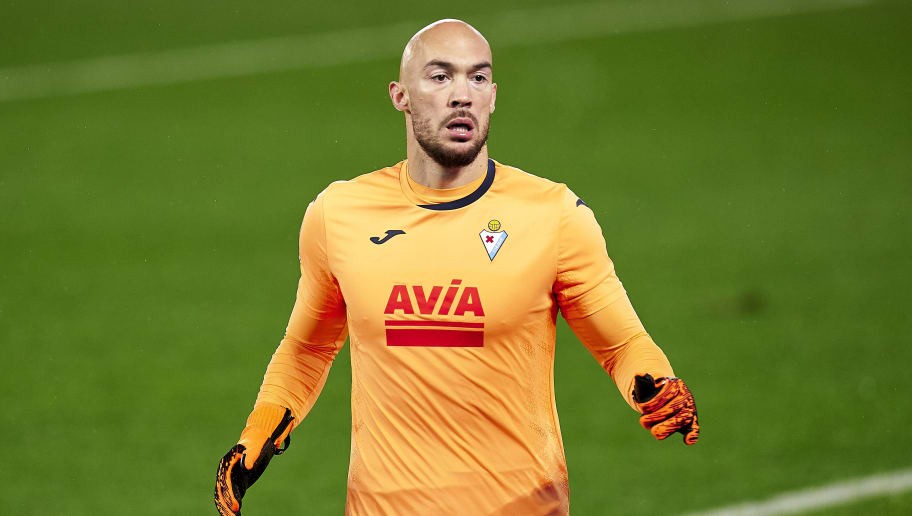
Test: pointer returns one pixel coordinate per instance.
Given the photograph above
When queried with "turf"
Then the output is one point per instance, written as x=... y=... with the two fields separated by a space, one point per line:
x=752 y=179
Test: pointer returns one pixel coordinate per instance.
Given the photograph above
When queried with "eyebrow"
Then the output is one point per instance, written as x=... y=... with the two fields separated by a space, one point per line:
x=449 y=66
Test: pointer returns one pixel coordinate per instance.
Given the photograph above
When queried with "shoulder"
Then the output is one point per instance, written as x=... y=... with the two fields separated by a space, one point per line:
x=366 y=186
x=384 y=178
x=534 y=187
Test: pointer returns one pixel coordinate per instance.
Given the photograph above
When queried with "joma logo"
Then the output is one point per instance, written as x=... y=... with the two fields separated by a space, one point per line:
x=404 y=299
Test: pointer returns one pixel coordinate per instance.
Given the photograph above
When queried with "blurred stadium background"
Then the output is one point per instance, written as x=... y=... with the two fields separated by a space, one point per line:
x=750 y=163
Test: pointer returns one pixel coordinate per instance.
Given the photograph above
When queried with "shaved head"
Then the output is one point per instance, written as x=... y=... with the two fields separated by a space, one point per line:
x=445 y=31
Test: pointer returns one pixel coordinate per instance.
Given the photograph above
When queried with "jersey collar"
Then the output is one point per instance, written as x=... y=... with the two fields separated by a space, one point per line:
x=449 y=199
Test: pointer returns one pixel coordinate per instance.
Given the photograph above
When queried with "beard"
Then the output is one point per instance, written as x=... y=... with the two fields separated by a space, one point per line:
x=436 y=148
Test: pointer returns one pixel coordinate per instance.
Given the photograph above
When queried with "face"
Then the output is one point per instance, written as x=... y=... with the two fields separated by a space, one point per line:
x=447 y=92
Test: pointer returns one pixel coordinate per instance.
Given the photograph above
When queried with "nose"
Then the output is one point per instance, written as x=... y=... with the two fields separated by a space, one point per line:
x=459 y=96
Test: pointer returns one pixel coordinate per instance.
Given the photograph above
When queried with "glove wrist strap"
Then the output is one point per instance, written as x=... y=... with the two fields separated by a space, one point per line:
x=264 y=421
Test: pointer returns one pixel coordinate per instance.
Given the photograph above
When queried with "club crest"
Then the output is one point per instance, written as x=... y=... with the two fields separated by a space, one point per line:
x=493 y=238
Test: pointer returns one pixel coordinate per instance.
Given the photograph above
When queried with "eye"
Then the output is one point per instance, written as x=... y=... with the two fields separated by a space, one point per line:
x=439 y=77
x=479 y=78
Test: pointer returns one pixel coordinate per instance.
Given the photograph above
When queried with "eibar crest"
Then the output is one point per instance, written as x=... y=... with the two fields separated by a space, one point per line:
x=493 y=238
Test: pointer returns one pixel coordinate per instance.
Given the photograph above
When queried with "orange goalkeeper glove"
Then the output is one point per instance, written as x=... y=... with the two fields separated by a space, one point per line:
x=667 y=407
x=267 y=430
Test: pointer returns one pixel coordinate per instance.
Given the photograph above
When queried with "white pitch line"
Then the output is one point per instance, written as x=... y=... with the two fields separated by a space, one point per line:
x=341 y=47
x=831 y=495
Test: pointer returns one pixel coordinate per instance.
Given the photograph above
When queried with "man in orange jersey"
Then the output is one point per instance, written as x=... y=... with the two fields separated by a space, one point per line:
x=447 y=271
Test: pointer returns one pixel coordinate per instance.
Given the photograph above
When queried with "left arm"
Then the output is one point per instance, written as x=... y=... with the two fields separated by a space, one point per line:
x=595 y=305
x=620 y=344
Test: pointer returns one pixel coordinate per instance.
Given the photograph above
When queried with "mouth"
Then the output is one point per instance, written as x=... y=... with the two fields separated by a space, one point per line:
x=461 y=129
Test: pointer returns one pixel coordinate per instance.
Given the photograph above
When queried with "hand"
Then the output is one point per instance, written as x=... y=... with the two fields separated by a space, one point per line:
x=246 y=461
x=667 y=407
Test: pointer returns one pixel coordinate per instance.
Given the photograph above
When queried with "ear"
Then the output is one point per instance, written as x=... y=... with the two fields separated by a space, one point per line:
x=493 y=96
x=399 y=96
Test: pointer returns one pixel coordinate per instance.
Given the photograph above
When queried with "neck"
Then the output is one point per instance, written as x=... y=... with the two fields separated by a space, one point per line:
x=427 y=172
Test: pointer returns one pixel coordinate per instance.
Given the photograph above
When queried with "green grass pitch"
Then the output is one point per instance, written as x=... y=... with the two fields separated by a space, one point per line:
x=752 y=178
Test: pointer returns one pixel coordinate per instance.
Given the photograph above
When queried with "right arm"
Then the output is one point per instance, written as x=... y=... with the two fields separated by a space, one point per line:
x=316 y=330
x=297 y=371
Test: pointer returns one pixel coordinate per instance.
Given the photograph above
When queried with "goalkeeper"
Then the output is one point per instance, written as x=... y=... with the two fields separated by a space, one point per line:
x=447 y=270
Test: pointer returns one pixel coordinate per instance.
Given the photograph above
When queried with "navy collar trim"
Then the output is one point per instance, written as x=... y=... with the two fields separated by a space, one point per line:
x=468 y=199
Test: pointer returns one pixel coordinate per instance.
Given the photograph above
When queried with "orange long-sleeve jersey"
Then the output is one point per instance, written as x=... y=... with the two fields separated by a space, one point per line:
x=450 y=299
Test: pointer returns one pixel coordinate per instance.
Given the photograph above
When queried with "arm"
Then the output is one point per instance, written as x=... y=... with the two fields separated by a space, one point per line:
x=618 y=341
x=620 y=344
x=597 y=309
x=316 y=330
x=296 y=373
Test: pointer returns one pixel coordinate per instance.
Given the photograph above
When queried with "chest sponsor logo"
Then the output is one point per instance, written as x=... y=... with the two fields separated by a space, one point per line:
x=435 y=316
x=493 y=238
